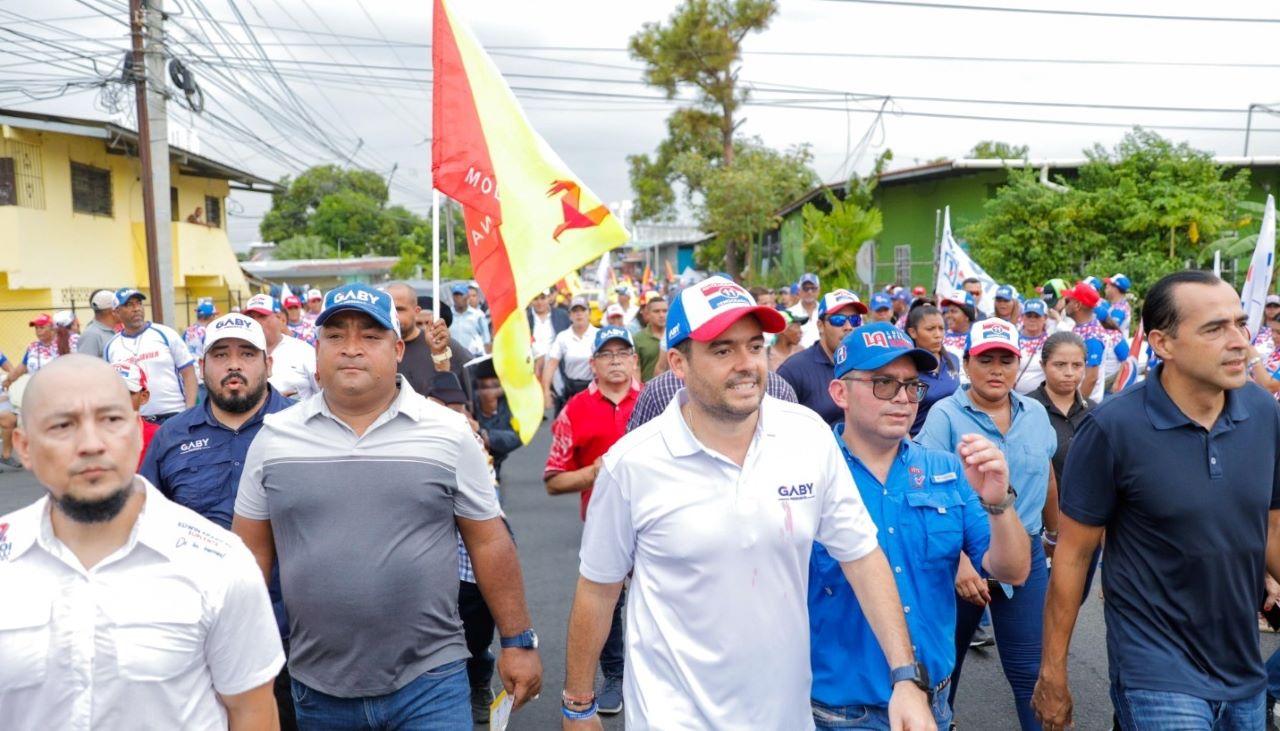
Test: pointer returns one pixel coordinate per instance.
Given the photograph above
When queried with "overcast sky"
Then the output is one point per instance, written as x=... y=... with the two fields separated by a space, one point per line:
x=359 y=71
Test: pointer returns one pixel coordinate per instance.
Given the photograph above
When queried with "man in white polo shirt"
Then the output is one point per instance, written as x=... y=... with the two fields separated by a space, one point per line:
x=161 y=353
x=293 y=361
x=714 y=510
x=121 y=609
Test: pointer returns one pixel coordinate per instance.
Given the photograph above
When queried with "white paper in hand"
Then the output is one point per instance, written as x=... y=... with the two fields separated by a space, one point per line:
x=500 y=712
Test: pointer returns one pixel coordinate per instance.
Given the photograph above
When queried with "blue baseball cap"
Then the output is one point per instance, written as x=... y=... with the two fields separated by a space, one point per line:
x=836 y=299
x=1120 y=281
x=1094 y=282
x=457 y=288
x=1035 y=307
x=1006 y=292
x=876 y=345
x=710 y=307
x=361 y=298
x=881 y=301
x=612 y=332
x=206 y=308
x=795 y=289
x=902 y=295
x=124 y=294
x=809 y=278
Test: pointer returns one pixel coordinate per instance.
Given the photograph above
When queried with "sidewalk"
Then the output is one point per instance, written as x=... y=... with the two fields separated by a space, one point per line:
x=18 y=488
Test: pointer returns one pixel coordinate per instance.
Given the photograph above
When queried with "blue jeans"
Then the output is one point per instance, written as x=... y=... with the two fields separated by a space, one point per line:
x=613 y=654
x=1018 y=622
x=872 y=718
x=1273 y=675
x=1162 y=710
x=437 y=700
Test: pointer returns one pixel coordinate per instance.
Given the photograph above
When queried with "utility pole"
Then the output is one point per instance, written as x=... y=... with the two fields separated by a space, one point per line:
x=145 y=22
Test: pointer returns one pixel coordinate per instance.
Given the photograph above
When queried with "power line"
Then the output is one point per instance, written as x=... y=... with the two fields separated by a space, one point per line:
x=1056 y=11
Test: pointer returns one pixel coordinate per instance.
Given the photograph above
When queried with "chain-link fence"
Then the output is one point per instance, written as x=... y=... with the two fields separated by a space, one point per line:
x=15 y=323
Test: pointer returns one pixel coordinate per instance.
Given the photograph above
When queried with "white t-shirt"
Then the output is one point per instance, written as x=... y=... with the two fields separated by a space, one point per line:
x=147 y=638
x=293 y=368
x=809 y=330
x=161 y=353
x=543 y=333
x=717 y=619
x=574 y=352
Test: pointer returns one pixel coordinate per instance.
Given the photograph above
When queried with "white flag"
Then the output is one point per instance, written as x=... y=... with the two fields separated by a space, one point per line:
x=1258 y=282
x=602 y=276
x=955 y=266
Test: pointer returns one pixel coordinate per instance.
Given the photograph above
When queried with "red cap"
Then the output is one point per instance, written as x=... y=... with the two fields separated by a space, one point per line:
x=291 y=301
x=44 y=320
x=918 y=291
x=1084 y=294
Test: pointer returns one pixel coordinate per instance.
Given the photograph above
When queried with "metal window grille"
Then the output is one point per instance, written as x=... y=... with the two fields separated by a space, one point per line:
x=90 y=190
x=27 y=180
x=902 y=263
x=213 y=211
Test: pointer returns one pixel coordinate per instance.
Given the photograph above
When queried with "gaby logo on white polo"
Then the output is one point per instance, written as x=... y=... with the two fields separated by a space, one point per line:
x=194 y=446
x=802 y=491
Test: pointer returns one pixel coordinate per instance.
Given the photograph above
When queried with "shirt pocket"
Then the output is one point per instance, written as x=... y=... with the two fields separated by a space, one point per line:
x=202 y=485
x=24 y=642
x=939 y=513
x=157 y=636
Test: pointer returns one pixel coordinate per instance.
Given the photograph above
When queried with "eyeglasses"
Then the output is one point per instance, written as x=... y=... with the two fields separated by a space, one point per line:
x=809 y=288
x=612 y=355
x=842 y=320
x=886 y=388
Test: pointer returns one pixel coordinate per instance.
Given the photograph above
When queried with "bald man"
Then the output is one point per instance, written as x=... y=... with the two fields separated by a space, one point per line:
x=186 y=633
x=428 y=349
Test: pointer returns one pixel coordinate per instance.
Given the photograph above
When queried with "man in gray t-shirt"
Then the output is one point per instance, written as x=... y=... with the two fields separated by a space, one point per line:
x=358 y=490
x=100 y=330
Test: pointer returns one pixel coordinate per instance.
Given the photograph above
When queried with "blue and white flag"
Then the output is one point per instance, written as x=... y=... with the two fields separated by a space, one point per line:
x=1258 y=282
x=955 y=266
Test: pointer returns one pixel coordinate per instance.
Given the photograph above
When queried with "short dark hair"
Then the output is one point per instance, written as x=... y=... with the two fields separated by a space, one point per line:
x=757 y=291
x=686 y=348
x=970 y=280
x=1057 y=340
x=1160 y=311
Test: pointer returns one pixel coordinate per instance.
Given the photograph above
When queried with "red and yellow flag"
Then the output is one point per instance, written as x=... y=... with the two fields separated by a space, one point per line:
x=646 y=279
x=529 y=220
x=671 y=275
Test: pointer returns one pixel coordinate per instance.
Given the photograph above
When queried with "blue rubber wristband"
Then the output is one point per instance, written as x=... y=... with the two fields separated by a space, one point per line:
x=579 y=715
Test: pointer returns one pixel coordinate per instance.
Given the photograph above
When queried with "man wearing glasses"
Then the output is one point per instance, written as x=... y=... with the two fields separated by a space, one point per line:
x=808 y=306
x=586 y=428
x=809 y=371
x=929 y=505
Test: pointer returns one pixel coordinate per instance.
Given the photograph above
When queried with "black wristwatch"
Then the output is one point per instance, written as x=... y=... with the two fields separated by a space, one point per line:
x=915 y=672
x=1001 y=506
x=526 y=640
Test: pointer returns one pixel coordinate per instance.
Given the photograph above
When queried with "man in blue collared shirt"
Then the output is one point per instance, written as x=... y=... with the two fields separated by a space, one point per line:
x=809 y=371
x=196 y=458
x=928 y=505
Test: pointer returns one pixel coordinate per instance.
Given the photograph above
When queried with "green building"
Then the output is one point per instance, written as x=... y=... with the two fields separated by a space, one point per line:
x=912 y=200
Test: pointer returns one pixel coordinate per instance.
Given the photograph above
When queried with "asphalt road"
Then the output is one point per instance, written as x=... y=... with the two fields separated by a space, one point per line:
x=548 y=532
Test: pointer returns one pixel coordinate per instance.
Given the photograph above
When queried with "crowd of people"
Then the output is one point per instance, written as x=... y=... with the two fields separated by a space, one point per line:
x=290 y=514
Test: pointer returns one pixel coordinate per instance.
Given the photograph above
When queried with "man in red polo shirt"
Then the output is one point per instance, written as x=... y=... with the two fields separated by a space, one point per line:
x=586 y=428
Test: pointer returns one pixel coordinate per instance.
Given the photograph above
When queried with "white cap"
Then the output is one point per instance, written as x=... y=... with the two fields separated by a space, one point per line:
x=314 y=294
x=234 y=325
x=135 y=379
x=64 y=318
x=615 y=310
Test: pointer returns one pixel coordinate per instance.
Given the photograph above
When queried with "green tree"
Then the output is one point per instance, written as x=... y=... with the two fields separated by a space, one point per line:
x=993 y=150
x=832 y=239
x=1143 y=208
x=699 y=47
x=346 y=210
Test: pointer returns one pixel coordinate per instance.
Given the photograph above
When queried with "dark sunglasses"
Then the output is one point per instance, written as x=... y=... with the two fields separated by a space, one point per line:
x=886 y=388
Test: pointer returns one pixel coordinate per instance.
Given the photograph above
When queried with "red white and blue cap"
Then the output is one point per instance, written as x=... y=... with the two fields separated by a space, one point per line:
x=263 y=304
x=881 y=301
x=877 y=345
x=836 y=299
x=612 y=332
x=992 y=334
x=710 y=307
x=135 y=379
x=357 y=297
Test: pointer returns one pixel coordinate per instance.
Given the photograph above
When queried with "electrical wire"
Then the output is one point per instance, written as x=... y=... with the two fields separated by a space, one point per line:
x=1059 y=11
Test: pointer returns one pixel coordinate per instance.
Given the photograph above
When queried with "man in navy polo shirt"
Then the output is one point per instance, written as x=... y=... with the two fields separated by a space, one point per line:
x=809 y=371
x=1181 y=471
x=928 y=505
x=196 y=458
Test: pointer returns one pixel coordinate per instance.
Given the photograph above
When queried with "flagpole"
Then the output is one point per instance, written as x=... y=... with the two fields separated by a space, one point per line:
x=435 y=253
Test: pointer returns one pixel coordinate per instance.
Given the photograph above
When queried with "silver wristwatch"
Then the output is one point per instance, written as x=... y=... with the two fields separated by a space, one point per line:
x=1001 y=506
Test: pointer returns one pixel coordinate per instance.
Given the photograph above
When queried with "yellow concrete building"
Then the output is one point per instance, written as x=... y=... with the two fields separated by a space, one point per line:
x=71 y=221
